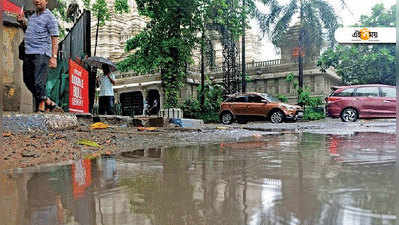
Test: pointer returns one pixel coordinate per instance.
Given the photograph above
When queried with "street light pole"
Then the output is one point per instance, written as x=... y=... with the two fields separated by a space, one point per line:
x=243 y=72
x=202 y=100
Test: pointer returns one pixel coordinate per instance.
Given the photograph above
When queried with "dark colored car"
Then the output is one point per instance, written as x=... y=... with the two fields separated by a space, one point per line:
x=362 y=101
x=252 y=105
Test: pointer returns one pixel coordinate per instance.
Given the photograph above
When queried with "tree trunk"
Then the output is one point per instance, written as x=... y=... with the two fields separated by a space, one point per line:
x=174 y=68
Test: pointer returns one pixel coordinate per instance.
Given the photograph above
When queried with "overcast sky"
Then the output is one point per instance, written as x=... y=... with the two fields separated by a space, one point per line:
x=348 y=16
x=356 y=8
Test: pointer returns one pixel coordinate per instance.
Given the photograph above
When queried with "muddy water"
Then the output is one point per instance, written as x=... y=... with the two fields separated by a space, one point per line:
x=279 y=179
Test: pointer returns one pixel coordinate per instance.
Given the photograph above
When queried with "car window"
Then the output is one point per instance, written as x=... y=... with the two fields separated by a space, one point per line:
x=241 y=99
x=231 y=99
x=345 y=93
x=388 y=92
x=255 y=98
x=367 y=92
x=270 y=98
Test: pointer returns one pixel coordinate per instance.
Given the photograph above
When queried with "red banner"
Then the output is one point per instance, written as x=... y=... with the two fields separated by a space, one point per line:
x=81 y=177
x=78 y=88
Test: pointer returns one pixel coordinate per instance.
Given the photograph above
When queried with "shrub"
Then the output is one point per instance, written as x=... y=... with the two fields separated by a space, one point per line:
x=213 y=97
x=282 y=98
x=310 y=104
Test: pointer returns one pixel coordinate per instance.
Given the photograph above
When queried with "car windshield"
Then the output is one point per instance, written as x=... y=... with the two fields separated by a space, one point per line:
x=269 y=97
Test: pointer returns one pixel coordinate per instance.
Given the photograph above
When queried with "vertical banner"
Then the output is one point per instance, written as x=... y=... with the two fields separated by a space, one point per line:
x=78 y=88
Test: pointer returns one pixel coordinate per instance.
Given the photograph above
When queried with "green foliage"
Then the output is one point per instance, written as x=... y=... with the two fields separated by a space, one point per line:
x=310 y=104
x=100 y=9
x=380 y=17
x=167 y=42
x=290 y=79
x=306 y=100
x=317 y=17
x=86 y=4
x=364 y=64
x=361 y=64
x=213 y=96
x=312 y=114
x=121 y=6
x=60 y=13
x=282 y=98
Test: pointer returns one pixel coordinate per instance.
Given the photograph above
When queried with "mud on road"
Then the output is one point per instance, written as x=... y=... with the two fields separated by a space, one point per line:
x=34 y=148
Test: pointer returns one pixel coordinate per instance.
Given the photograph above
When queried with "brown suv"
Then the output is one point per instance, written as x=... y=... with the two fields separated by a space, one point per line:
x=250 y=105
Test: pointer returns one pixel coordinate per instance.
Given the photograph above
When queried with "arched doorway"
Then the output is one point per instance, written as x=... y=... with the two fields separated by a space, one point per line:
x=153 y=101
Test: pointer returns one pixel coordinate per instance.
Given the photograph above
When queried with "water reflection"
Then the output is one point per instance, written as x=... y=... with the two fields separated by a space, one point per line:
x=288 y=179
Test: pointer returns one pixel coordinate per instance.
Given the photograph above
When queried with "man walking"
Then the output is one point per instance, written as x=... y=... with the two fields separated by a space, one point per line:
x=41 y=46
x=106 y=101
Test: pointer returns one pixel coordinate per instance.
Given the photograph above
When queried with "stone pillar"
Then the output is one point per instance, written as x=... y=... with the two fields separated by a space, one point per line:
x=254 y=85
x=276 y=87
x=144 y=93
x=319 y=84
x=16 y=96
x=283 y=86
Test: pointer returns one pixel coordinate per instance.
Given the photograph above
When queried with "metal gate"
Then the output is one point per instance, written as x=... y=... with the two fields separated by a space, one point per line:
x=76 y=45
x=132 y=103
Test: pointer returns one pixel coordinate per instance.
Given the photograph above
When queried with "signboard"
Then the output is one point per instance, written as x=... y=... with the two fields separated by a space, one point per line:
x=78 y=88
x=11 y=8
x=365 y=35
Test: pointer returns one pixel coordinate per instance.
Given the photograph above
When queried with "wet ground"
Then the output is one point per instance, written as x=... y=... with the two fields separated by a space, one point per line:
x=47 y=146
x=266 y=178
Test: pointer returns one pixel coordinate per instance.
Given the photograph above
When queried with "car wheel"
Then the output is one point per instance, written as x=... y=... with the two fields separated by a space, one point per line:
x=349 y=115
x=277 y=117
x=227 y=118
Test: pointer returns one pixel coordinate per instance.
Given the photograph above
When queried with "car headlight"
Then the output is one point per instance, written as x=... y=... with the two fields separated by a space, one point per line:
x=289 y=107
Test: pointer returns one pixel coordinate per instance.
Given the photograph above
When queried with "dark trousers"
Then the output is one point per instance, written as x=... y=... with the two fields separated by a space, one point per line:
x=35 y=69
x=106 y=105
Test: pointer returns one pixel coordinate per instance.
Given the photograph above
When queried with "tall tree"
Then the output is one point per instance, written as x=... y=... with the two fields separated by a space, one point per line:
x=103 y=14
x=173 y=31
x=315 y=17
x=69 y=13
x=362 y=63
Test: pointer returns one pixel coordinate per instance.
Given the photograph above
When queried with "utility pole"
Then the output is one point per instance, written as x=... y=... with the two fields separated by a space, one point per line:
x=243 y=72
x=300 y=52
x=202 y=70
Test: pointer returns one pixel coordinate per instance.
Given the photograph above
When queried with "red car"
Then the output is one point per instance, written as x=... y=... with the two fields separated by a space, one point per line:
x=362 y=101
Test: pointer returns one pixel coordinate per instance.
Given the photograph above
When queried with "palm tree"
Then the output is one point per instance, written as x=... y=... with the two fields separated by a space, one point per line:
x=317 y=22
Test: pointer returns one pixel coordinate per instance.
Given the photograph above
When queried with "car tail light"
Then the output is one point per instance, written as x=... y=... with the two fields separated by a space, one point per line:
x=332 y=99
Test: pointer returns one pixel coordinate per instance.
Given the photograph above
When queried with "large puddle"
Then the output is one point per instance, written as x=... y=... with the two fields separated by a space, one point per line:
x=281 y=179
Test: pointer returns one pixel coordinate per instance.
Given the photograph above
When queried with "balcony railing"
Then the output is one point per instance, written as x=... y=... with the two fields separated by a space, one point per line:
x=265 y=65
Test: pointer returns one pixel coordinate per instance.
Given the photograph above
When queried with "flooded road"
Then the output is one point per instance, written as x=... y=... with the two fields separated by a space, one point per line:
x=277 y=179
